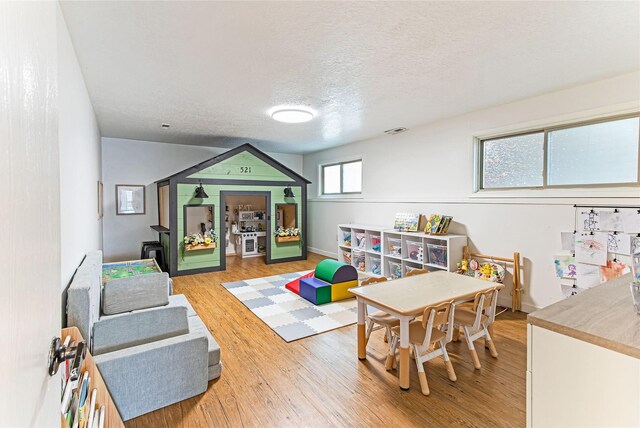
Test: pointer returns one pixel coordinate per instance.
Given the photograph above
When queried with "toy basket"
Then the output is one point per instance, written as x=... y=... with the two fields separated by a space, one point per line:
x=437 y=254
x=395 y=270
x=375 y=267
x=360 y=240
x=374 y=242
x=359 y=260
x=394 y=246
x=346 y=239
x=408 y=269
x=415 y=250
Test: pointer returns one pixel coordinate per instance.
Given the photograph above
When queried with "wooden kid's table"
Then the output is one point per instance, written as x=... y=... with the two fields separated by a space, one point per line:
x=406 y=298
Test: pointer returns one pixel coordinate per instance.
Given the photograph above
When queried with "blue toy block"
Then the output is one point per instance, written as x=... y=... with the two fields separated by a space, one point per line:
x=315 y=290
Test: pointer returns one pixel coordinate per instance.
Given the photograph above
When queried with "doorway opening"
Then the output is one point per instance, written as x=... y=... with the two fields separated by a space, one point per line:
x=246 y=226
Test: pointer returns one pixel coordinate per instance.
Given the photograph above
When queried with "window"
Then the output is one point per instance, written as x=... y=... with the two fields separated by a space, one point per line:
x=602 y=152
x=342 y=178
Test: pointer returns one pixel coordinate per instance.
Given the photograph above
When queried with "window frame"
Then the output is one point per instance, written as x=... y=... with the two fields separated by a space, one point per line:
x=342 y=163
x=479 y=163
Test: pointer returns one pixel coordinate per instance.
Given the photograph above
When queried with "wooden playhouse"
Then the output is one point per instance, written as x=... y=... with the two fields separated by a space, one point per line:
x=195 y=199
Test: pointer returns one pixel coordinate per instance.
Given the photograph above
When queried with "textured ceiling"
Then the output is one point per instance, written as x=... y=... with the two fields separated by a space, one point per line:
x=214 y=70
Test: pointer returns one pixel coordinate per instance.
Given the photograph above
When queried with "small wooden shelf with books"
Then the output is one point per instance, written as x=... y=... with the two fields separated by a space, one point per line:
x=112 y=417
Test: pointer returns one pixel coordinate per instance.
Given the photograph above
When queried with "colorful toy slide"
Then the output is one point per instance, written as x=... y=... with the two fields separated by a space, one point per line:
x=330 y=282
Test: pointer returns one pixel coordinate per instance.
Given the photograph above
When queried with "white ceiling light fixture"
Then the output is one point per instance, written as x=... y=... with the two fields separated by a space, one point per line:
x=292 y=115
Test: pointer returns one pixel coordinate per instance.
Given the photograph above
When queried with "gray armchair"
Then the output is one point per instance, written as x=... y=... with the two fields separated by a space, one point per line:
x=149 y=357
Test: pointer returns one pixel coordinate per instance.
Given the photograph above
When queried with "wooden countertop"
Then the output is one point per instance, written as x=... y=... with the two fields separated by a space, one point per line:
x=603 y=315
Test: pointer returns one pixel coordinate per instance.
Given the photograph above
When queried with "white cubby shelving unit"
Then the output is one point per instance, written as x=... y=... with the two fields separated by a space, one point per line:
x=398 y=252
x=359 y=243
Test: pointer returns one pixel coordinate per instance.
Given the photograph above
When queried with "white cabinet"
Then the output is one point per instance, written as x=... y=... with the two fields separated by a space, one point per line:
x=377 y=250
x=573 y=383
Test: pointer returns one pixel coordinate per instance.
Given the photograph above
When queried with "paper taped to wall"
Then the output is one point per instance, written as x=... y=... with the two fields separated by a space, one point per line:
x=592 y=249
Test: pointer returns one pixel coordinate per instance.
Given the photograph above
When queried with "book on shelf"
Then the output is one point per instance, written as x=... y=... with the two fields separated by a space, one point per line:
x=408 y=222
x=438 y=224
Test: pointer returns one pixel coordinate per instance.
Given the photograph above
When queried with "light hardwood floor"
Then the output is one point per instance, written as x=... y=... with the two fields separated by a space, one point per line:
x=319 y=381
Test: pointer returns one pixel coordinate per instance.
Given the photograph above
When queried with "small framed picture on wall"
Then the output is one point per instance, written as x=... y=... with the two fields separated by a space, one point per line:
x=130 y=199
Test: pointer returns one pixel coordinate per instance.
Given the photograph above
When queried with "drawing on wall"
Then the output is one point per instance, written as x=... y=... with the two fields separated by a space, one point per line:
x=613 y=270
x=590 y=220
x=619 y=243
x=611 y=221
x=592 y=249
x=631 y=222
x=635 y=244
x=587 y=275
x=568 y=241
x=565 y=266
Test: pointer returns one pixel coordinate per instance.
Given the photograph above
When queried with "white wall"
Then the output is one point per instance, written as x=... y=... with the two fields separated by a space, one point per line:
x=80 y=160
x=429 y=169
x=144 y=162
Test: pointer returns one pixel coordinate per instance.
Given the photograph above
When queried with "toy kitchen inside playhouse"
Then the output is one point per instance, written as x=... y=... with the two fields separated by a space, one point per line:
x=249 y=231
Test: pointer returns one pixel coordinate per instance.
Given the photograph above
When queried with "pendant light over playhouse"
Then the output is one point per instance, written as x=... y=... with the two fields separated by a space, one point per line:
x=201 y=191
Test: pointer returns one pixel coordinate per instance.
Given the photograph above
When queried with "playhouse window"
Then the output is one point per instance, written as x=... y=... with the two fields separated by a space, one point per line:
x=287 y=215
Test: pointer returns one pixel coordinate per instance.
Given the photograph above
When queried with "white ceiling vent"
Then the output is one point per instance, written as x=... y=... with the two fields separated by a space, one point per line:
x=395 y=131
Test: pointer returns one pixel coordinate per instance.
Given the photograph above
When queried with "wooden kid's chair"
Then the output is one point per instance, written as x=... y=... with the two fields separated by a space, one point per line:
x=383 y=319
x=416 y=272
x=423 y=336
x=475 y=322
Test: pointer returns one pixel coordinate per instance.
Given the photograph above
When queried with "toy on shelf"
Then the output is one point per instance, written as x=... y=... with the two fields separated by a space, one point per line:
x=376 y=267
x=395 y=247
x=375 y=244
x=346 y=239
x=492 y=271
x=463 y=266
x=359 y=259
x=437 y=255
x=395 y=270
x=415 y=250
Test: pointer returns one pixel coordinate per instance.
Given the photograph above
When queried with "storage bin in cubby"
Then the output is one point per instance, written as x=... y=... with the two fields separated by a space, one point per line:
x=375 y=265
x=394 y=247
x=359 y=260
x=358 y=239
x=345 y=239
x=395 y=270
x=346 y=256
x=415 y=250
x=375 y=243
x=437 y=254
x=409 y=268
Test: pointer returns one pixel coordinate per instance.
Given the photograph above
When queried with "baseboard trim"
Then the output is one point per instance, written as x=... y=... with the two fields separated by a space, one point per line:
x=526 y=307
x=322 y=252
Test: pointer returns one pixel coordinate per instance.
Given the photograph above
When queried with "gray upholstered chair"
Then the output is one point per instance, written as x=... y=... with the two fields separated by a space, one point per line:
x=151 y=348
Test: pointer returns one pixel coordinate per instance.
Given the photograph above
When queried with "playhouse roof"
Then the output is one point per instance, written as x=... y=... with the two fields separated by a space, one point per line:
x=226 y=155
